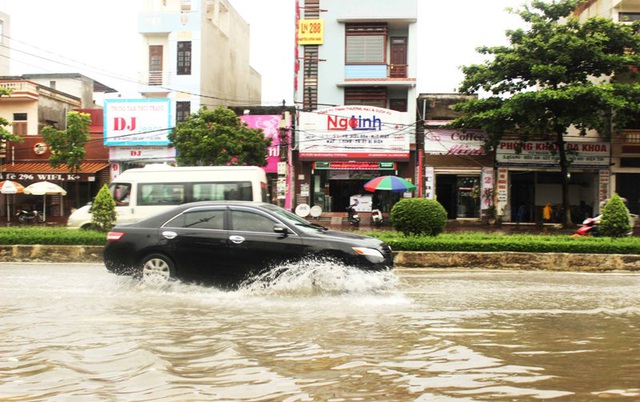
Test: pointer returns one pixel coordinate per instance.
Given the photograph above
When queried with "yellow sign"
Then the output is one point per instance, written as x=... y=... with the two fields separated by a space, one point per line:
x=310 y=32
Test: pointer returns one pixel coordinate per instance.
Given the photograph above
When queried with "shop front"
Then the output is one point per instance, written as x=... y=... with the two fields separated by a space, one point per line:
x=529 y=179
x=342 y=148
x=458 y=172
x=80 y=187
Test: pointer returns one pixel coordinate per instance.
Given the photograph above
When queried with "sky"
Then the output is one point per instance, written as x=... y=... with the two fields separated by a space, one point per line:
x=100 y=40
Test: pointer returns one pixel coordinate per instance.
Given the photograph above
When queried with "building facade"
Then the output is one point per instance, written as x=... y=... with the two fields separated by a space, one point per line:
x=355 y=89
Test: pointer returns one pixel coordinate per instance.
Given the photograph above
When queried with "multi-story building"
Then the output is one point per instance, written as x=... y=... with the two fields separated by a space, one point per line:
x=625 y=146
x=196 y=54
x=355 y=87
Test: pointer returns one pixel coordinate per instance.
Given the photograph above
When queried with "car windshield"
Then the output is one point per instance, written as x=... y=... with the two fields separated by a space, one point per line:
x=293 y=219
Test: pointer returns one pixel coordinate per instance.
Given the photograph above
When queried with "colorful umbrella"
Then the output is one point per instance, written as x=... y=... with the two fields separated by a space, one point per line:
x=10 y=187
x=389 y=183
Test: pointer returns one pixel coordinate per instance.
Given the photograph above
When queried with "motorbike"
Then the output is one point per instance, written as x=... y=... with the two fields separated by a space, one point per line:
x=30 y=216
x=352 y=216
x=589 y=228
x=376 y=217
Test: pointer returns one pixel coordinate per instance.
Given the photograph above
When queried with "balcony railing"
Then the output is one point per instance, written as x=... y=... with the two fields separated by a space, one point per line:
x=631 y=136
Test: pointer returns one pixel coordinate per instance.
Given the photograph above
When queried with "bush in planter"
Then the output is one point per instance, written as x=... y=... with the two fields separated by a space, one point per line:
x=418 y=216
x=103 y=210
x=615 y=220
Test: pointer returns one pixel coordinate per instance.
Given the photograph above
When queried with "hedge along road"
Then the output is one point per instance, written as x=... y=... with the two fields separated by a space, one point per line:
x=406 y=259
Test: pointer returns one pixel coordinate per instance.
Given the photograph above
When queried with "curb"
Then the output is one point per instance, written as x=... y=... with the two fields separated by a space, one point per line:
x=405 y=259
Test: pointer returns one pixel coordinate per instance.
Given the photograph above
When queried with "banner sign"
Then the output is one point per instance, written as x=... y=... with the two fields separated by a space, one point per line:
x=454 y=142
x=310 y=32
x=354 y=132
x=269 y=126
x=543 y=153
x=131 y=122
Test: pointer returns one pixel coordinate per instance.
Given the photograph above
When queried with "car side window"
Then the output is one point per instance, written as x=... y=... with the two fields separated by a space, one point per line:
x=201 y=219
x=251 y=222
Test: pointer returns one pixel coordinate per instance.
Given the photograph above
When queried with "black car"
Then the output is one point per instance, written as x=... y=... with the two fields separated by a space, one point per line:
x=227 y=242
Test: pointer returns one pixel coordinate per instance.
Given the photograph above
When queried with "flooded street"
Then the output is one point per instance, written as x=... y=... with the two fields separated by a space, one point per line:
x=76 y=333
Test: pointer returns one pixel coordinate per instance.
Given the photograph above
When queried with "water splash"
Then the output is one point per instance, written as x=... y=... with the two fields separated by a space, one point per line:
x=315 y=276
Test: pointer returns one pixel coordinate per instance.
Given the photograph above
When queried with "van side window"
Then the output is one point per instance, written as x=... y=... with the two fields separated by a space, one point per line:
x=161 y=194
x=121 y=193
x=222 y=191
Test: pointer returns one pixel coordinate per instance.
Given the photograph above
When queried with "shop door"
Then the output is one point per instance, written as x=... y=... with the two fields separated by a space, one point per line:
x=468 y=197
x=446 y=193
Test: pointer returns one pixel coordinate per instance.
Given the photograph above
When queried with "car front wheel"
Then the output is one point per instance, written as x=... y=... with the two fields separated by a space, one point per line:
x=157 y=269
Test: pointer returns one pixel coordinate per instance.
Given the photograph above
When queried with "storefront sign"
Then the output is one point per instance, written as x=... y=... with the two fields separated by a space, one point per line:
x=604 y=179
x=345 y=165
x=269 y=125
x=39 y=148
x=27 y=177
x=486 y=188
x=453 y=142
x=138 y=153
x=354 y=132
x=543 y=153
x=137 y=121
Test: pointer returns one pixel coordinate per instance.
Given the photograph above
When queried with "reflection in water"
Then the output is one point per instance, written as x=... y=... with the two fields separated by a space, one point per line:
x=320 y=332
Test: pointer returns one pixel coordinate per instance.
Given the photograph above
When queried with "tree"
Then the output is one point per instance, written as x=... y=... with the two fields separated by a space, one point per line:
x=558 y=74
x=6 y=135
x=67 y=146
x=615 y=220
x=218 y=137
x=103 y=210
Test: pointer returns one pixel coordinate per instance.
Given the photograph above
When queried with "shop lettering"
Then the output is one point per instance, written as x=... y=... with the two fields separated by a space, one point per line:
x=457 y=136
x=39 y=177
x=464 y=149
x=121 y=124
x=340 y=123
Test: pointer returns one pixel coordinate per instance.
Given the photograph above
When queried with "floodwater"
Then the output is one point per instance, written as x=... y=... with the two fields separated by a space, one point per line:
x=77 y=333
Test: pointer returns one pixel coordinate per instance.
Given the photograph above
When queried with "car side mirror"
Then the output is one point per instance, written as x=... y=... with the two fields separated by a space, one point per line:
x=281 y=229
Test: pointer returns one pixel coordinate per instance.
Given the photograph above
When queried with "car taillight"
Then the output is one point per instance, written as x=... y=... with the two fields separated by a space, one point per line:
x=114 y=236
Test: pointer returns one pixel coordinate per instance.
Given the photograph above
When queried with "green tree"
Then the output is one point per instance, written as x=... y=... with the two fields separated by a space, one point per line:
x=6 y=135
x=67 y=146
x=103 y=210
x=418 y=216
x=554 y=75
x=216 y=138
x=615 y=220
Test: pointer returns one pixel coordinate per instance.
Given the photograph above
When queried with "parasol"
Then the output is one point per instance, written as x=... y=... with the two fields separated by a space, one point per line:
x=389 y=183
x=10 y=187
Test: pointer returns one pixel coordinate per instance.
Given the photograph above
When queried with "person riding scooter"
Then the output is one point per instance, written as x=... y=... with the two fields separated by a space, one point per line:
x=352 y=214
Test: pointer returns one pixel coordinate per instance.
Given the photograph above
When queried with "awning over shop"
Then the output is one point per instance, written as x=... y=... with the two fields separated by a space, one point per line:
x=39 y=171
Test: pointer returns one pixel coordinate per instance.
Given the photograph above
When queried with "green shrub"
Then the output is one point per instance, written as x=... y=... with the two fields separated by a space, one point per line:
x=615 y=218
x=419 y=217
x=103 y=210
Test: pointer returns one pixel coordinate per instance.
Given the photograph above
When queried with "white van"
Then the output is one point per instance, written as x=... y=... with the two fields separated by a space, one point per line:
x=154 y=188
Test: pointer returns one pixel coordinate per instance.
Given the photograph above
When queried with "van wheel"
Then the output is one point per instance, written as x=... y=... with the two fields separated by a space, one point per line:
x=157 y=269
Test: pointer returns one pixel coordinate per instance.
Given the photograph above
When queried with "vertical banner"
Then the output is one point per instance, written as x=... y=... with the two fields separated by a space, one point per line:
x=604 y=179
x=429 y=176
x=486 y=188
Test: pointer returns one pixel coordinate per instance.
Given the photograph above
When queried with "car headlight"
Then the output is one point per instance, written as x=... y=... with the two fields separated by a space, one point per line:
x=368 y=252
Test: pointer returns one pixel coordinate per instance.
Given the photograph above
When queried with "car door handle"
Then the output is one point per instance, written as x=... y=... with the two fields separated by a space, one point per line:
x=236 y=239
x=167 y=234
